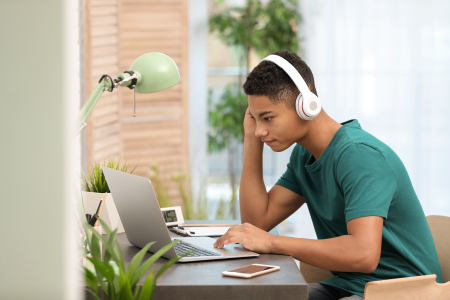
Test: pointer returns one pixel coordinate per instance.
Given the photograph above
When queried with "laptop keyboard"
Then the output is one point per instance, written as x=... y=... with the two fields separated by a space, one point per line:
x=183 y=247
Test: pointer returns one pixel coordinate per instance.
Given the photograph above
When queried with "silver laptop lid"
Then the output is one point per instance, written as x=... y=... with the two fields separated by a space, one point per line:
x=139 y=210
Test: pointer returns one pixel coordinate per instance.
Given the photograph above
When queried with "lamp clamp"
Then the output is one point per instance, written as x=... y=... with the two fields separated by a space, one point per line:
x=133 y=77
x=110 y=79
x=133 y=81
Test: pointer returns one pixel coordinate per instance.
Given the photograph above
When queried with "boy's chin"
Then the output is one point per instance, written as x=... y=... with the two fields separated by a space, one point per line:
x=279 y=147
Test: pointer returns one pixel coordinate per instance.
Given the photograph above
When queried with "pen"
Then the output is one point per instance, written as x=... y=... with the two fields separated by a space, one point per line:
x=93 y=220
x=100 y=208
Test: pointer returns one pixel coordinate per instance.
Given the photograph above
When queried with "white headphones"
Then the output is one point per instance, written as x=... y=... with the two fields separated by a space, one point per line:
x=308 y=105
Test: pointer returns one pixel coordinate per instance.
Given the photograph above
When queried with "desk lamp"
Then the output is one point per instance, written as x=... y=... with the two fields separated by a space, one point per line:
x=149 y=73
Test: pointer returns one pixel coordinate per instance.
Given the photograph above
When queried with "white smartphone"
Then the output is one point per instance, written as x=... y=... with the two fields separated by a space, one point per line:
x=251 y=271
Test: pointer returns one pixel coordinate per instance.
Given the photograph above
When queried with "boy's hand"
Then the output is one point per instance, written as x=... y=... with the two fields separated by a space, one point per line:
x=249 y=236
x=249 y=124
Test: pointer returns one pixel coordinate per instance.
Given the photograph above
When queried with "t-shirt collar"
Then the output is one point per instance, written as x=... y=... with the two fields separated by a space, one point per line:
x=334 y=141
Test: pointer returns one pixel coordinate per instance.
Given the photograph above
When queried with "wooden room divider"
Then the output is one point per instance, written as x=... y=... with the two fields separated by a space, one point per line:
x=116 y=32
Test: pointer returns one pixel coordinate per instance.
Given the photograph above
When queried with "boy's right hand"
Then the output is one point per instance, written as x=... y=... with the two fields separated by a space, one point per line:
x=249 y=124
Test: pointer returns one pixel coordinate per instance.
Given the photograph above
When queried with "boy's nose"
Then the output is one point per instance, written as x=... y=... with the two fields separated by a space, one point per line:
x=260 y=132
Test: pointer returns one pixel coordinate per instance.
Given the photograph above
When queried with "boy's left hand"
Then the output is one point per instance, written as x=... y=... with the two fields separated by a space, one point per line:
x=249 y=236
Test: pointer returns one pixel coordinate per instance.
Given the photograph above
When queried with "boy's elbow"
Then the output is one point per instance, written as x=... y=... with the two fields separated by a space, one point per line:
x=368 y=263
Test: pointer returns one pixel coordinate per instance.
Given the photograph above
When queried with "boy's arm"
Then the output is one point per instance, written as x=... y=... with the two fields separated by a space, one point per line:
x=358 y=251
x=263 y=209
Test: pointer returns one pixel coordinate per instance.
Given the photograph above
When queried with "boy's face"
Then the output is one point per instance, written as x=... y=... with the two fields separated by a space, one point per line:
x=277 y=126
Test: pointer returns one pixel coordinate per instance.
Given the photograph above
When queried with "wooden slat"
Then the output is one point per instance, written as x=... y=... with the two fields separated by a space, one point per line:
x=144 y=98
x=146 y=18
x=102 y=155
x=152 y=126
x=111 y=108
x=107 y=142
x=105 y=50
x=156 y=5
x=105 y=41
x=108 y=119
x=129 y=55
x=104 y=31
x=154 y=26
x=104 y=21
x=150 y=34
x=111 y=70
x=105 y=60
x=104 y=10
x=144 y=103
x=94 y=3
x=153 y=151
x=166 y=169
x=137 y=135
x=107 y=99
x=145 y=143
x=104 y=131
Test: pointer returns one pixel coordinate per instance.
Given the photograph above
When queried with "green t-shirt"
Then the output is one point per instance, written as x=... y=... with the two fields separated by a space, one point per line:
x=356 y=176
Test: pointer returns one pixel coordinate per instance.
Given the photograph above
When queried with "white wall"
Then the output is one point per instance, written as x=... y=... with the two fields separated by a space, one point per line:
x=387 y=64
x=38 y=253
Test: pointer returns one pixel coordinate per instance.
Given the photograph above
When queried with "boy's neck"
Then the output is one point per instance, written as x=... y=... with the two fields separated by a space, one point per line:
x=321 y=131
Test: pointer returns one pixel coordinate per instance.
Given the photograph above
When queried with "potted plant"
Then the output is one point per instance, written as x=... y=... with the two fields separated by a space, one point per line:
x=107 y=275
x=95 y=186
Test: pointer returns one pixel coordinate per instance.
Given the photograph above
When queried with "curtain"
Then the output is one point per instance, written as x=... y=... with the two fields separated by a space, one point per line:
x=387 y=64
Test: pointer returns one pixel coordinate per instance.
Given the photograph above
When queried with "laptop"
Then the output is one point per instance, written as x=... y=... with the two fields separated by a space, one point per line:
x=143 y=221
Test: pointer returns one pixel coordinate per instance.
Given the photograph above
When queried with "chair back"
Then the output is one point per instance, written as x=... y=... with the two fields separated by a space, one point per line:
x=440 y=229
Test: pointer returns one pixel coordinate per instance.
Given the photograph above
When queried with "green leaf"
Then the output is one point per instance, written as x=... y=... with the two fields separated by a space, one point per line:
x=149 y=262
x=94 y=247
x=136 y=261
x=102 y=272
x=117 y=256
x=126 y=291
x=91 y=281
x=169 y=263
x=148 y=287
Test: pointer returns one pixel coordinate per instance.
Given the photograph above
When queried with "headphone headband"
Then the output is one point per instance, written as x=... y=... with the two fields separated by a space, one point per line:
x=292 y=72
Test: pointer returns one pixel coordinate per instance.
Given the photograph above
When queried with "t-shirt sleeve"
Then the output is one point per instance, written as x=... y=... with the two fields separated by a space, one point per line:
x=289 y=179
x=367 y=182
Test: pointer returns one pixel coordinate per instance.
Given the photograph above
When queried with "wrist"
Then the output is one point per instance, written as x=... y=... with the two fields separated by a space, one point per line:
x=281 y=245
x=275 y=244
x=251 y=138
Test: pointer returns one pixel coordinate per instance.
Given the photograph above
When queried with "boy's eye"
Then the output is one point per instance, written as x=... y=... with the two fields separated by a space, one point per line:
x=268 y=119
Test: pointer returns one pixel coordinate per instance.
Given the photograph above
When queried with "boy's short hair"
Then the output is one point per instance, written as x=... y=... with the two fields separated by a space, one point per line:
x=270 y=80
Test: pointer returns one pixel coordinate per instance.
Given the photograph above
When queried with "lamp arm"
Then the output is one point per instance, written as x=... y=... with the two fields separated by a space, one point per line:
x=92 y=101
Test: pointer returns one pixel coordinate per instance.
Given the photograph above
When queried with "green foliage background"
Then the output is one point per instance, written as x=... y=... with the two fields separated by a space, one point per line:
x=262 y=27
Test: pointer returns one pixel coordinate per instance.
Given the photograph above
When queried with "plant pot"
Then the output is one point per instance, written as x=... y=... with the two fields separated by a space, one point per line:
x=109 y=215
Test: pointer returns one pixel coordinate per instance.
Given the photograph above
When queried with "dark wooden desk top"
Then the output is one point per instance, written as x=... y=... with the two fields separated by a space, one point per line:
x=204 y=280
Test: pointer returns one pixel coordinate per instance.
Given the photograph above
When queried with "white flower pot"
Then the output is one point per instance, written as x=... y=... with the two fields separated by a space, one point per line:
x=109 y=215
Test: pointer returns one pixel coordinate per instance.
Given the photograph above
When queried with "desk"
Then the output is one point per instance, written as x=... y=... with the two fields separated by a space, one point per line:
x=204 y=280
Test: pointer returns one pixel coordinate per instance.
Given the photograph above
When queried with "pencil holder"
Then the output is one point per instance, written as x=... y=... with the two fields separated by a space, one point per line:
x=86 y=262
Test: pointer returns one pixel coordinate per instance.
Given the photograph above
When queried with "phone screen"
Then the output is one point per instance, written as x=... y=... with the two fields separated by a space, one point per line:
x=251 y=269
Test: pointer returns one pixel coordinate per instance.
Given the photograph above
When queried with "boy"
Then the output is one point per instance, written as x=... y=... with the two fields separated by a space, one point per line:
x=368 y=220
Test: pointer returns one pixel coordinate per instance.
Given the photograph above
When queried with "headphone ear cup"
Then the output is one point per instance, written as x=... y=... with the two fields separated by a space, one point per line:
x=309 y=109
x=312 y=106
x=299 y=108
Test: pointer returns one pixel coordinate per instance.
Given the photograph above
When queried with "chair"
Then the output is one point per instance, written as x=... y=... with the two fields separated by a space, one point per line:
x=419 y=287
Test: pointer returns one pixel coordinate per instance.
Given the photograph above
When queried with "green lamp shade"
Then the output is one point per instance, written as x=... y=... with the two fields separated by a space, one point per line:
x=156 y=72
